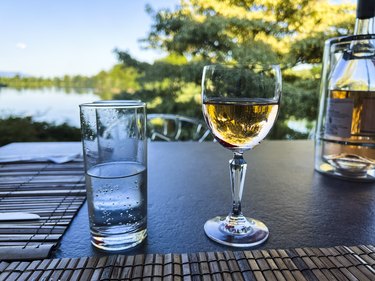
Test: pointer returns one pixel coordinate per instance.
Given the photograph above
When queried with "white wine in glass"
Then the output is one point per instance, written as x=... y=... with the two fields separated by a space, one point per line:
x=240 y=106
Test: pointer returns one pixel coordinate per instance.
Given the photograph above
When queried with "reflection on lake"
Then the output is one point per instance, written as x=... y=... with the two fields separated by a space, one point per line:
x=57 y=105
x=52 y=105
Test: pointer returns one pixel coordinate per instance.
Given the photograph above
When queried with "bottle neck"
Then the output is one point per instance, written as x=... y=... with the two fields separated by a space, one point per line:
x=364 y=26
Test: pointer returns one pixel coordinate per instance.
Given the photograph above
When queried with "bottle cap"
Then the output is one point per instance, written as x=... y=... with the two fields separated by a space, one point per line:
x=365 y=9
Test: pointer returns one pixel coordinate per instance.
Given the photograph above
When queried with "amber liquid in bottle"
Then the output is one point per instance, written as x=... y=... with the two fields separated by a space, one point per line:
x=363 y=114
x=349 y=140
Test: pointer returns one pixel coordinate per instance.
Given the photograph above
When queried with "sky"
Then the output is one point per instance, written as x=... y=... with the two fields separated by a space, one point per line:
x=52 y=38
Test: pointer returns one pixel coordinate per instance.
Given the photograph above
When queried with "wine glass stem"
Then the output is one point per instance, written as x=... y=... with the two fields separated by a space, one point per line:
x=237 y=167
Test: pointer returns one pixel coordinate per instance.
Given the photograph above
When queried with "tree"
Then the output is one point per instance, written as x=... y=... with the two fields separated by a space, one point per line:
x=286 y=31
x=168 y=85
x=198 y=32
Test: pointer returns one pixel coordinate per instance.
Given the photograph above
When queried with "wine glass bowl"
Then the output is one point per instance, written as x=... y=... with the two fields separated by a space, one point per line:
x=240 y=105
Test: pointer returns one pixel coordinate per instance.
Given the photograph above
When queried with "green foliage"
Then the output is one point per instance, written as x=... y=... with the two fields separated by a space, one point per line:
x=17 y=129
x=287 y=32
x=119 y=78
x=200 y=32
x=66 y=81
x=168 y=86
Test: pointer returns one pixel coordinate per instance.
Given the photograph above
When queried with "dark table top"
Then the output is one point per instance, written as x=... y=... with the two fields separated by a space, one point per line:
x=188 y=183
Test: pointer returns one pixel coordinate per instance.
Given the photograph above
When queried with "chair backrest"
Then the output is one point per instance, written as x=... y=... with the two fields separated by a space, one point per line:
x=171 y=127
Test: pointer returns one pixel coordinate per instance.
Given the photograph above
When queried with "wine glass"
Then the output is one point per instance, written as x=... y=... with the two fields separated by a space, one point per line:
x=240 y=105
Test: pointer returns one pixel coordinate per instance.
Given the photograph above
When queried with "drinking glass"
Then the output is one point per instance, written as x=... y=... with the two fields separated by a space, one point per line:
x=240 y=105
x=115 y=157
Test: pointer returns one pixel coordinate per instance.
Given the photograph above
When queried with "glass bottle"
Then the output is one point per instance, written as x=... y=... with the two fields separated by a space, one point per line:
x=345 y=136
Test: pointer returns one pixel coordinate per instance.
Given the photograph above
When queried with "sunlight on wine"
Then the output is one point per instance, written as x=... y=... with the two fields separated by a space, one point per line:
x=240 y=123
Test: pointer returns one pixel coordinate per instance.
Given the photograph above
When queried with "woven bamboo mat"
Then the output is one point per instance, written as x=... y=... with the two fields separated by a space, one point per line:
x=55 y=192
x=337 y=263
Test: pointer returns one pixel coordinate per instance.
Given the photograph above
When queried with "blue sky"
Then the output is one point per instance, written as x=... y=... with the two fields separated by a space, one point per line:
x=57 y=37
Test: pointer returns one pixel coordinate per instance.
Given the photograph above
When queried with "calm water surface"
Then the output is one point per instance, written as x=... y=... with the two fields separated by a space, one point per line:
x=57 y=106
x=49 y=104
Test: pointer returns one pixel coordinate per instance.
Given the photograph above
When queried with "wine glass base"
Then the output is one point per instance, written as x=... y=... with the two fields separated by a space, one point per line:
x=257 y=233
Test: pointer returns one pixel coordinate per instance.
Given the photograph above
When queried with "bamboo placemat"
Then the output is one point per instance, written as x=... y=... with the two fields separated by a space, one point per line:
x=336 y=263
x=55 y=192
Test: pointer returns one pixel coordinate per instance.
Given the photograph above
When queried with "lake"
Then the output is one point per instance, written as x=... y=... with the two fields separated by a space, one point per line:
x=55 y=105
x=52 y=105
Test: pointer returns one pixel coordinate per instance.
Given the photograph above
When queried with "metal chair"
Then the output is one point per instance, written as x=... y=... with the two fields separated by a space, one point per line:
x=171 y=127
